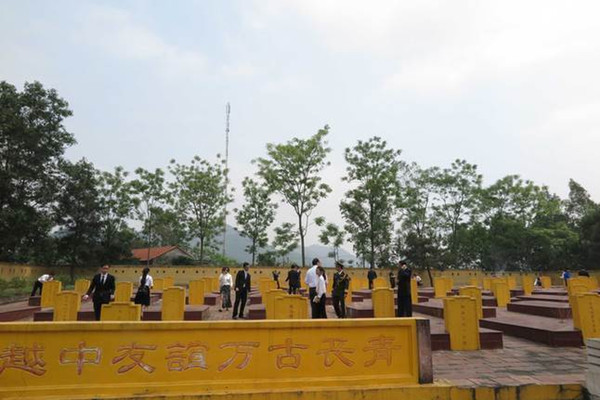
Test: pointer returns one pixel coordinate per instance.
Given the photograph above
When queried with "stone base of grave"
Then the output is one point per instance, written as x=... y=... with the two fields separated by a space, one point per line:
x=543 y=297
x=35 y=301
x=542 y=308
x=550 y=331
x=489 y=340
x=191 y=313
x=489 y=301
x=257 y=311
x=211 y=299
x=555 y=291
x=435 y=307
x=17 y=311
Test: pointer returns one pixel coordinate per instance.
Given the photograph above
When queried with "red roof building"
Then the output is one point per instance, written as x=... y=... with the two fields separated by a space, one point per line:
x=159 y=255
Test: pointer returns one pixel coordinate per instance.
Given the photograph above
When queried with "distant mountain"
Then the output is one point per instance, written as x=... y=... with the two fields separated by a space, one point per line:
x=236 y=249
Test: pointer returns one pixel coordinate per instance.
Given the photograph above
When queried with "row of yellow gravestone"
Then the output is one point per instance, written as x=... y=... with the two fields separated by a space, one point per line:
x=383 y=301
x=280 y=305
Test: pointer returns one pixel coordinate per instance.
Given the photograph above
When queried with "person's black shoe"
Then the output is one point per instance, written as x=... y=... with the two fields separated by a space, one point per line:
x=234 y=317
x=242 y=317
x=220 y=310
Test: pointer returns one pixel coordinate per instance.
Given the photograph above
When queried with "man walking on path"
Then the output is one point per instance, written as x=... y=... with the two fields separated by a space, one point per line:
x=338 y=293
x=103 y=289
x=371 y=276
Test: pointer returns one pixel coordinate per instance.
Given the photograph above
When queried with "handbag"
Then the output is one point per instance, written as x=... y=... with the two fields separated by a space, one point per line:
x=316 y=299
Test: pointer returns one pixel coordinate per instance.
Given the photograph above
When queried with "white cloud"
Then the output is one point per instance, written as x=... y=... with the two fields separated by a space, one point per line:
x=116 y=32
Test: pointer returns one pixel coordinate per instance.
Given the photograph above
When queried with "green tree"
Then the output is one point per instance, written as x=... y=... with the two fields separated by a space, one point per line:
x=256 y=216
x=168 y=228
x=285 y=240
x=117 y=206
x=33 y=140
x=292 y=170
x=200 y=195
x=331 y=235
x=149 y=196
x=374 y=170
x=456 y=192
x=78 y=212
x=579 y=204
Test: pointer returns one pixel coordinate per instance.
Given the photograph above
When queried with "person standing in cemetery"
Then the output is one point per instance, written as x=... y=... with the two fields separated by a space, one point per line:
x=320 y=298
x=143 y=293
x=566 y=275
x=293 y=279
x=242 y=287
x=102 y=289
x=404 y=295
x=276 y=278
x=341 y=282
x=392 y=280
x=39 y=282
x=371 y=276
x=225 y=284
x=311 y=280
x=538 y=281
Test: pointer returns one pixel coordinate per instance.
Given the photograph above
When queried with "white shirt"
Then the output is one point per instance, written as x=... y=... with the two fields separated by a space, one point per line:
x=225 y=280
x=321 y=286
x=149 y=281
x=45 y=278
x=311 y=278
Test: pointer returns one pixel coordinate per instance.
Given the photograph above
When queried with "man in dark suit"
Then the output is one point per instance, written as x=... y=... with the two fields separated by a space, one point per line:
x=404 y=297
x=293 y=279
x=103 y=288
x=242 y=287
x=341 y=282
x=371 y=276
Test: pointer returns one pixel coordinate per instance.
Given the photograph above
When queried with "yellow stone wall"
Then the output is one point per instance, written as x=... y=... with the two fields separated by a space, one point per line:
x=127 y=358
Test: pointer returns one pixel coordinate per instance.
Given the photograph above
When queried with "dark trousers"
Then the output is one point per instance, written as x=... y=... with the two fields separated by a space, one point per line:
x=339 y=305
x=293 y=289
x=370 y=284
x=37 y=285
x=321 y=313
x=314 y=307
x=240 y=302
x=404 y=306
x=98 y=308
x=277 y=280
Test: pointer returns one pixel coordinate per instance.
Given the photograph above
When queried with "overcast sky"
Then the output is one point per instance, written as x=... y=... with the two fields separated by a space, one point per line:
x=511 y=86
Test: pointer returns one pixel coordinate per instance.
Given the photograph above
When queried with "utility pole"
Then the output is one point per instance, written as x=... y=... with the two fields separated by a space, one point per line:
x=227 y=112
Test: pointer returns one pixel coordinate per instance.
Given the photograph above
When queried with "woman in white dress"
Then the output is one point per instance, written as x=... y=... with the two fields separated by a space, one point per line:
x=143 y=293
x=225 y=283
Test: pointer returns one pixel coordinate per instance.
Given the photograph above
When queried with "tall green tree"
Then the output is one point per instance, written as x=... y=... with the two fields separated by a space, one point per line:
x=78 y=212
x=33 y=139
x=117 y=206
x=285 y=240
x=579 y=204
x=149 y=197
x=256 y=215
x=200 y=194
x=292 y=169
x=373 y=169
x=331 y=235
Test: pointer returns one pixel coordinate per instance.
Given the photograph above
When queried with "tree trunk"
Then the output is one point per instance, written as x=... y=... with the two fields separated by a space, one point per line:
x=253 y=250
x=201 y=249
x=301 y=238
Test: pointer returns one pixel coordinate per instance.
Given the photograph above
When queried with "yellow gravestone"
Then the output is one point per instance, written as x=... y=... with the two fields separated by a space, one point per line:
x=474 y=292
x=49 y=291
x=81 y=286
x=449 y=284
x=290 y=307
x=380 y=283
x=383 y=303
x=546 y=282
x=196 y=292
x=168 y=282
x=271 y=297
x=173 y=304
x=440 y=287
x=576 y=290
x=527 y=285
x=125 y=311
x=66 y=306
x=460 y=318
x=414 y=291
x=512 y=282
x=588 y=314
x=487 y=284
x=123 y=291
x=473 y=282
x=501 y=293
x=158 y=284
x=264 y=285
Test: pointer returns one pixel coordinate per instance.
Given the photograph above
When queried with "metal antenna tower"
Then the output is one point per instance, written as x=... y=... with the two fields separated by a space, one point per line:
x=227 y=112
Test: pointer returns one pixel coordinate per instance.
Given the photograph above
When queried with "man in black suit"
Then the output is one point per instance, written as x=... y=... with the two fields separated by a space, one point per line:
x=293 y=279
x=341 y=281
x=103 y=287
x=242 y=287
x=404 y=297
